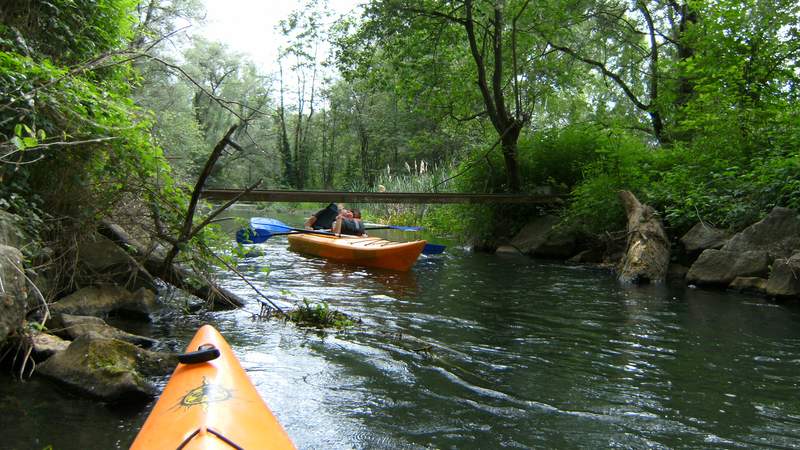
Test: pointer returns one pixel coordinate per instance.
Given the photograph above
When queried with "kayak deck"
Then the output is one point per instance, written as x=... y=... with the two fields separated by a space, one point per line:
x=211 y=405
x=362 y=251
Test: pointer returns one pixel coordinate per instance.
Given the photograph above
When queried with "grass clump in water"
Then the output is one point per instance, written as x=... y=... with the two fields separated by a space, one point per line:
x=320 y=315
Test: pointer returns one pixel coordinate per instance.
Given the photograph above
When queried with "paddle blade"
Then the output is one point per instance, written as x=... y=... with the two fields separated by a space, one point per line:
x=374 y=226
x=404 y=228
x=252 y=235
x=272 y=225
x=433 y=249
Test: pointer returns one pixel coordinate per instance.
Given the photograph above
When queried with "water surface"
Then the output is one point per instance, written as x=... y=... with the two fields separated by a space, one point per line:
x=479 y=351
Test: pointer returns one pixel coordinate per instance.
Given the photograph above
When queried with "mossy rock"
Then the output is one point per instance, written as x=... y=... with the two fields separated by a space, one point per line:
x=108 y=369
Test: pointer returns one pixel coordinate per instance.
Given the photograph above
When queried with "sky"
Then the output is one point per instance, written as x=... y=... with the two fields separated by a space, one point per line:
x=248 y=26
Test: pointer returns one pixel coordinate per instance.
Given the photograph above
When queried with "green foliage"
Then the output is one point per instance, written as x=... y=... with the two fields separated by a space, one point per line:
x=686 y=184
x=725 y=191
x=74 y=148
x=619 y=162
x=728 y=82
x=68 y=31
x=191 y=115
x=591 y=162
x=320 y=315
x=417 y=176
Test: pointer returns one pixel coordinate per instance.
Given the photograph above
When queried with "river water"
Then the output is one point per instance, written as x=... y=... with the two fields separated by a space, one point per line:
x=478 y=351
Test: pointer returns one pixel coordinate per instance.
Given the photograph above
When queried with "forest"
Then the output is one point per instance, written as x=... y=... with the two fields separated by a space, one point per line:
x=110 y=108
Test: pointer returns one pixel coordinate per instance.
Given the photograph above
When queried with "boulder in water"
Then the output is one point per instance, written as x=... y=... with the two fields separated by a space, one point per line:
x=784 y=281
x=108 y=369
x=77 y=326
x=720 y=267
x=106 y=299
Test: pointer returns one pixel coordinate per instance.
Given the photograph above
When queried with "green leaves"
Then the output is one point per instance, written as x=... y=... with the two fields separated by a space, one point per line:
x=320 y=315
x=25 y=138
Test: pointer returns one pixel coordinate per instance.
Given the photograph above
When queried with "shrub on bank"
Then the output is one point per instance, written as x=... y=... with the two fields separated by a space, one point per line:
x=713 y=180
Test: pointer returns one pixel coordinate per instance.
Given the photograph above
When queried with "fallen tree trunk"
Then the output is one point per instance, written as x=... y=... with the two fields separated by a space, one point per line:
x=647 y=253
x=217 y=297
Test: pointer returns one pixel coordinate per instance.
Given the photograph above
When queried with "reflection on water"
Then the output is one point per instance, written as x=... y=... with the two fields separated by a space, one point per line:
x=481 y=351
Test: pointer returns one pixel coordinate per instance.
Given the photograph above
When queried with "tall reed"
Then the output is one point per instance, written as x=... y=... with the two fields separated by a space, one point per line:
x=417 y=176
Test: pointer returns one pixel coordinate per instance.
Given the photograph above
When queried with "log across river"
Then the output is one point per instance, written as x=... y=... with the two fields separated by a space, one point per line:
x=479 y=351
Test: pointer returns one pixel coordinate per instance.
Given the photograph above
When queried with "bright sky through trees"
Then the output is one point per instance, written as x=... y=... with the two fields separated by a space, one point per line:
x=249 y=26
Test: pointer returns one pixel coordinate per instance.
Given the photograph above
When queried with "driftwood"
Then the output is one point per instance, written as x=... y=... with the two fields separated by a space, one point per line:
x=164 y=267
x=216 y=296
x=648 y=250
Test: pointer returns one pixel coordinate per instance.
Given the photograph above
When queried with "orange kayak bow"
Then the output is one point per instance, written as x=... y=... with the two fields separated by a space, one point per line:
x=210 y=403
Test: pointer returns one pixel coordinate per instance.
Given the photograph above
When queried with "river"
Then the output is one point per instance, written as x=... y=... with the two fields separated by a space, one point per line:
x=477 y=351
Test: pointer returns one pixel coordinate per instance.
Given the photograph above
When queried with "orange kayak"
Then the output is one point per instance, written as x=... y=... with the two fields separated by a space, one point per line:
x=362 y=251
x=210 y=403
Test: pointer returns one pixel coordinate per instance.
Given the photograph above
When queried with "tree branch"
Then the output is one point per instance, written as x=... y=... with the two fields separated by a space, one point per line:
x=605 y=71
x=186 y=230
x=222 y=208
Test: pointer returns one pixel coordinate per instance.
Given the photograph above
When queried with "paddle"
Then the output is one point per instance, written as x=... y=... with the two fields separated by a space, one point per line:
x=262 y=228
x=433 y=249
x=430 y=249
x=391 y=227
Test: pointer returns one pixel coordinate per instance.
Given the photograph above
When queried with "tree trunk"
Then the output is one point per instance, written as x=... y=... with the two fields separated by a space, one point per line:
x=507 y=125
x=647 y=256
x=366 y=166
x=283 y=140
x=688 y=18
x=217 y=297
x=510 y=157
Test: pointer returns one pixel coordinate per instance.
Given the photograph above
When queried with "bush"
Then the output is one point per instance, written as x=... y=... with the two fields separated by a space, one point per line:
x=729 y=191
x=558 y=158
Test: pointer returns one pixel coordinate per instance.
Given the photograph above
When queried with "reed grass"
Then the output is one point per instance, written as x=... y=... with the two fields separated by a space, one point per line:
x=416 y=176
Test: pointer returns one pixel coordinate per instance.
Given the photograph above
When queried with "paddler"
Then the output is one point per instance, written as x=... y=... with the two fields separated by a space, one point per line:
x=349 y=222
x=324 y=218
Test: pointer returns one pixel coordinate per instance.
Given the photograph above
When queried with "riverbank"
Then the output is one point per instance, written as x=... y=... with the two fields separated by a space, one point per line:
x=763 y=258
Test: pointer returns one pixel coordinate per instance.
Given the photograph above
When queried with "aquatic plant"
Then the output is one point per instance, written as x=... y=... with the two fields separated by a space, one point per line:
x=320 y=315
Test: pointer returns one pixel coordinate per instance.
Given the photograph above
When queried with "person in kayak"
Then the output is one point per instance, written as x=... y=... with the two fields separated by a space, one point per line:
x=324 y=218
x=349 y=222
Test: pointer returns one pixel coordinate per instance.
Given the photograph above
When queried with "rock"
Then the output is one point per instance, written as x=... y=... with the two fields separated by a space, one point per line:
x=46 y=345
x=558 y=244
x=13 y=291
x=11 y=233
x=721 y=267
x=677 y=272
x=647 y=253
x=107 y=369
x=702 y=237
x=507 y=249
x=77 y=326
x=784 y=281
x=484 y=246
x=589 y=256
x=534 y=233
x=778 y=234
x=101 y=259
x=749 y=284
x=542 y=238
x=102 y=300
